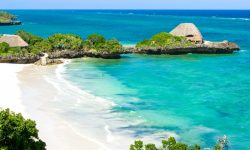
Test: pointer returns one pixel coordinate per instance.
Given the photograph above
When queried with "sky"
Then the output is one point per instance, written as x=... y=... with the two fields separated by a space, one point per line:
x=124 y=4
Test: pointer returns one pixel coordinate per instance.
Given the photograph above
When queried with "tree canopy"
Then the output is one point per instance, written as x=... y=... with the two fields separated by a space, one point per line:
x=28 y=37
x=18 y=133
x=37 y=45
x=169 y=144
x=66 y=41
x=98 y=43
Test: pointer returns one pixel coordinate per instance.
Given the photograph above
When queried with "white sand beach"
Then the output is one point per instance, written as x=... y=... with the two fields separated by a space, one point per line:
x=10 y=96
x=36 y=93
x=24 y=90
x=67 y=117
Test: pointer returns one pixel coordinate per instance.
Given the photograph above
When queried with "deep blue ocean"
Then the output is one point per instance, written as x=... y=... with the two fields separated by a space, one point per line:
x=197 y=98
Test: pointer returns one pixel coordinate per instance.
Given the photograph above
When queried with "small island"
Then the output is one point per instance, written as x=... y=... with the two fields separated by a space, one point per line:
x=185 y=38
x=8 y=19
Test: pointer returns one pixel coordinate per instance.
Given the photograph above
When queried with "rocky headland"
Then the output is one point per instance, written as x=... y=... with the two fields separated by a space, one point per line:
x=69 y=54
x=224 y=47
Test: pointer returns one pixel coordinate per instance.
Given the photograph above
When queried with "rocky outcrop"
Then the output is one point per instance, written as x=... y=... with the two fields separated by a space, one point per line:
x=104 y=55
x=77 y=54
x=66 y=54
x=19 y=59
x=224 y=47
x=44 y=61
x=10 y=23
x=220 y=47
x=54 y=57
x=48 y=62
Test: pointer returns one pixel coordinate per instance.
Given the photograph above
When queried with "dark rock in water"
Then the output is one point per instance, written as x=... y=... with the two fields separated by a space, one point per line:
x=104 y=55
x=219 y=47
x=10 y=23
x=19 y=59
x=77 y=54
x=224 y=47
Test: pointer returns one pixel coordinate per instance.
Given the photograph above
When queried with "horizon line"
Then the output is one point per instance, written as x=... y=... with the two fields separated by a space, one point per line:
x=114 y=9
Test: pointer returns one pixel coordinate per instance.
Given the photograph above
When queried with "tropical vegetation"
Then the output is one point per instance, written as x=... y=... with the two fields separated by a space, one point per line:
x=6 y=50
x=98 y=43
x=16 y=132
x=172 y=144
x=37 y=45
x=164 y=40
x=65 y=41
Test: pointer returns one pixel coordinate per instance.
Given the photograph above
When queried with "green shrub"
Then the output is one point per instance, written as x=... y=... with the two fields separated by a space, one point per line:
x=66 y=41
x=43 y=46
x=138 y=145
x=98 y=43
x=144 y=43
x=110 y=46
x=17 y=51
x=169 y=144
x=30 y=38
x=4 y=47
x=150 y=147
x=164 y=40
x=18 y=133
x=95 y=41
x=6 y=50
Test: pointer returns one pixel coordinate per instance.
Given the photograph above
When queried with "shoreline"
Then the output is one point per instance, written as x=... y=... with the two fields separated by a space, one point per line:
x=66 y=116
x=54 y=104
x=55 y=132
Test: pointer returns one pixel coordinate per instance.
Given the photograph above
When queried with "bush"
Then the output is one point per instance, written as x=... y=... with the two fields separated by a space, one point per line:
x=169 y=144
x=31 y=39
x=43 y=46
x=17 y=51
x=95 y=40
x=164 y=40
x=138 y=145
x=100 y=44
x=144 y=43
x=6 y=50
x=66 y=41
x=18 y=133
x=110 y=46
x=4 y=47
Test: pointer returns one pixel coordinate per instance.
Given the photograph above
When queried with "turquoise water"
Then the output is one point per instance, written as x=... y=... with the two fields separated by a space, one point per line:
x=198 y=98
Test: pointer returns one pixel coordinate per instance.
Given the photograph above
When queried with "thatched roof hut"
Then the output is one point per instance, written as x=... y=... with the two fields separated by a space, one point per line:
x=13 y=40
x=188 y=30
